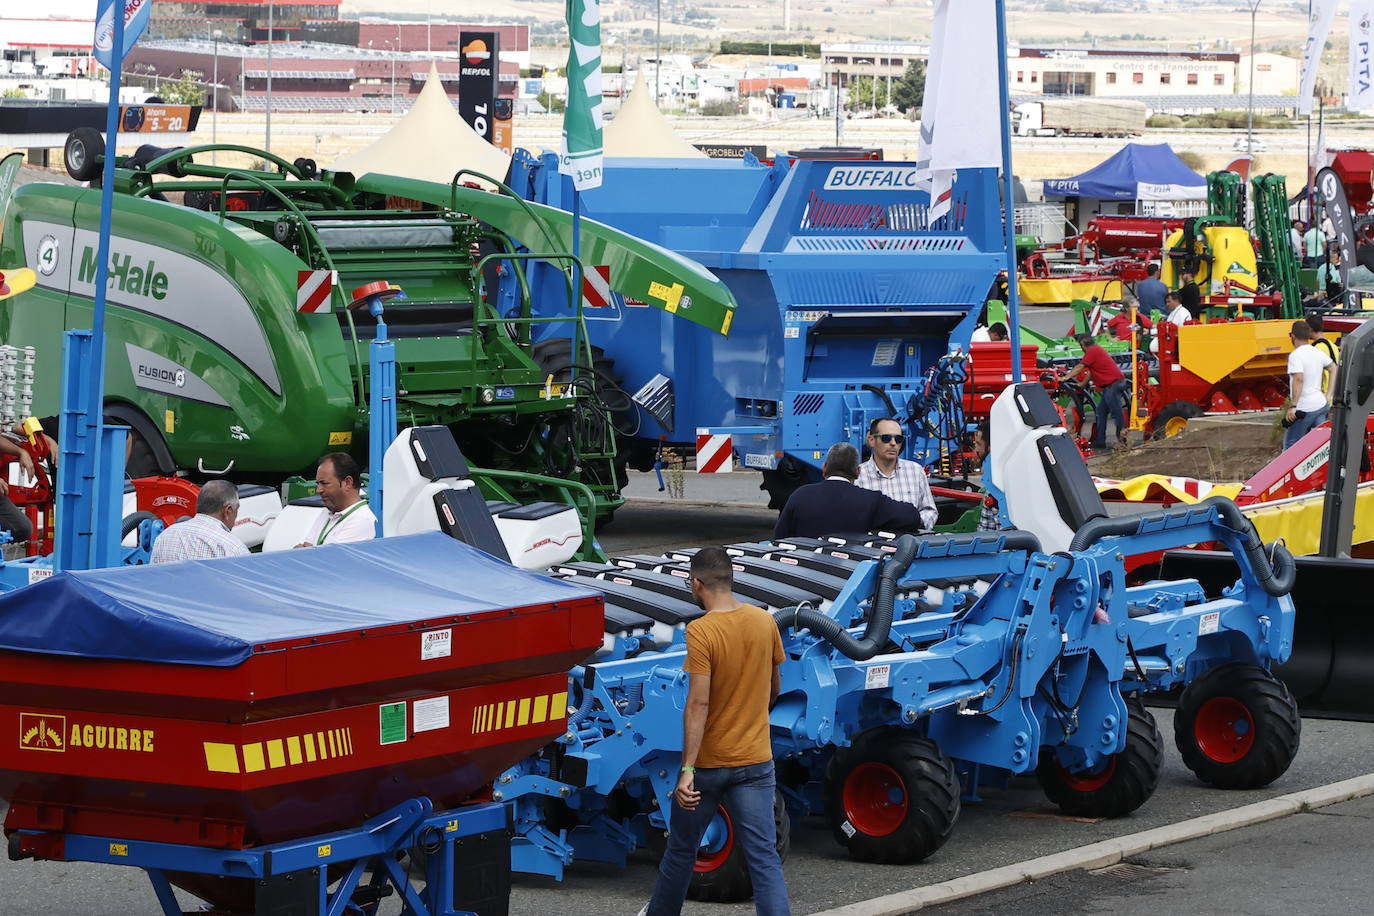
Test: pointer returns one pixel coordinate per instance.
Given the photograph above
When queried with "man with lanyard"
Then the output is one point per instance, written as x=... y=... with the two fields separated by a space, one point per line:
x=1106 y=377
x=733 y=654
x=349 y=518
x=893 y=476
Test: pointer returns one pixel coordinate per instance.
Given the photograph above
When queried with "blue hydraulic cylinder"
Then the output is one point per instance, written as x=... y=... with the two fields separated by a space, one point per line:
x=382 y=408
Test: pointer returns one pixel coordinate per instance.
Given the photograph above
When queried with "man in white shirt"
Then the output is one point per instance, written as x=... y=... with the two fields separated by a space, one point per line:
x=210 y=534
x=1295 y=237
x=349 y=518
x=1308 y=402
x=893 y=476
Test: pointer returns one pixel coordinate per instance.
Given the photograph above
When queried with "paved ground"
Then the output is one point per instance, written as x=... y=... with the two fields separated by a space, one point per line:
x=1316 y=862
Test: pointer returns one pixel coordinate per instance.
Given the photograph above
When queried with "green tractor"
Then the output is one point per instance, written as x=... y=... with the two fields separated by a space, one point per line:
x=231 y=347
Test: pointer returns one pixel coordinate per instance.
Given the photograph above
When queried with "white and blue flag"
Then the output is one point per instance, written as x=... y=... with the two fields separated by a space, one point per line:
x=136 y=14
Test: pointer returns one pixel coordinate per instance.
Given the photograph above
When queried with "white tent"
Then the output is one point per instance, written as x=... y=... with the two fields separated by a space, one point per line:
x=640 y=130
x=430 y=142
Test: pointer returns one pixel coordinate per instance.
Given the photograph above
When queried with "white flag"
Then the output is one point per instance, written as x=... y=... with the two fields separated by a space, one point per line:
x=1320 y=157
x=961 y=111
x=1361 y=92
x=1318 y=25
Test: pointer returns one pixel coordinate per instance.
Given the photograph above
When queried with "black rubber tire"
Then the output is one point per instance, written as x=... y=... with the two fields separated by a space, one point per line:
x=142 y=462
x=1131 y=777
x=929 y=785
x=84 y=153
x=729 y=882
x=554 y=357
x=1174 y=410
x=1273 y=715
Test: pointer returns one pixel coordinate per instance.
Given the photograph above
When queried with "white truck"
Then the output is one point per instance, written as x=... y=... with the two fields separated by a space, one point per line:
x=1083 y=116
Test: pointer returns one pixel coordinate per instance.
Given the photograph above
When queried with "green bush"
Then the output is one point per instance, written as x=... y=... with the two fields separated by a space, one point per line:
x=1164 y=120
x=780 y=49
x=719 y=108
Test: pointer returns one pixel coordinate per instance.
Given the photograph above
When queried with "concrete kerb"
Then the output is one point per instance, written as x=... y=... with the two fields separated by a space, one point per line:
x=1108 y=852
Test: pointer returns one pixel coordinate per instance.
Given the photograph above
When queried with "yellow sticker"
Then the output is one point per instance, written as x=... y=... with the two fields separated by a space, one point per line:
x=451 y=827
x=725 y=325
x=169 y=421
x=816 y=456
x=324 y=851
x=670 y=295
x=340 y=438
x=119 y=849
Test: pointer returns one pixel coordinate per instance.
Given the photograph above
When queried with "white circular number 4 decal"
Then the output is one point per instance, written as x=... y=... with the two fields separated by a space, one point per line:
x=47 y=255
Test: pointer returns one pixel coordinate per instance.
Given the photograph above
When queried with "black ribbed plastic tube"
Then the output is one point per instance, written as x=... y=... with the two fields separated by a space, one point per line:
x=1274 y=566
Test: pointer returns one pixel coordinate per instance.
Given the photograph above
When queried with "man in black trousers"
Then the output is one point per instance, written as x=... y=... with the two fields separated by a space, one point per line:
x=837 y=506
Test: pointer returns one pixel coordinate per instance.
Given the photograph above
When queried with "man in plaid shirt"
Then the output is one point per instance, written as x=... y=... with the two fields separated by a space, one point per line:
x=895 y=477
x=210 y=534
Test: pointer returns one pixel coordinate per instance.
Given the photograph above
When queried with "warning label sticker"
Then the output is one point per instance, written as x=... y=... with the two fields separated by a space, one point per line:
x=391 y=719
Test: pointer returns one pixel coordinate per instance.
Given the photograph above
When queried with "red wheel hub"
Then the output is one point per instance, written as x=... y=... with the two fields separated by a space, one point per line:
x=1089 y=780
x=713 y=855
x=1224 y=729
x=874 y=799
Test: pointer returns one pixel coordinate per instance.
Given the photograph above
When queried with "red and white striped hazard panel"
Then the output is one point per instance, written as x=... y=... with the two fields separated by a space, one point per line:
x=596 y=287
x=715 y=453
x=314 y=289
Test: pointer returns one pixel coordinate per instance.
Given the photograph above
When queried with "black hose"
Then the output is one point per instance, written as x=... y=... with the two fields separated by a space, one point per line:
x=878 y=630
x=1274 y=566
x=882 y=393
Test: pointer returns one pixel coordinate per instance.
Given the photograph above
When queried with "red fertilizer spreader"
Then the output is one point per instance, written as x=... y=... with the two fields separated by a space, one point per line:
x=226 y=705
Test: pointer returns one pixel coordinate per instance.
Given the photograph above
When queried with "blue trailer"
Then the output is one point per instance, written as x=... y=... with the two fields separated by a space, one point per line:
x=853 y=303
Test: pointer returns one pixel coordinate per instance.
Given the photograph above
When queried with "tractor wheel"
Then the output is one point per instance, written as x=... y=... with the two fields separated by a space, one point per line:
x=892 y=801
x=1173 y=419
x=554 y=357
x=1237 y=727
x=1119 y=785
x=721 y=874
x=84 y=153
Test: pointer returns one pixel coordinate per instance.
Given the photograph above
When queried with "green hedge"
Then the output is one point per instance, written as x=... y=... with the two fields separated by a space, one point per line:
x=780 y=49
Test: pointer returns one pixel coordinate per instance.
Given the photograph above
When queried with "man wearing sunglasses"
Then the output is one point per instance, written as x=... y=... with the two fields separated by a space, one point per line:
x=836 y=505
x=892 y=475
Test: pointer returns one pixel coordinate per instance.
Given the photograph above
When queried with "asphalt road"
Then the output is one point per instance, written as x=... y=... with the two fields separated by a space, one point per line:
x=1315 y=862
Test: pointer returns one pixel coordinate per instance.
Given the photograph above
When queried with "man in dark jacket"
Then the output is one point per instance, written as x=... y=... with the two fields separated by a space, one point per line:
x=837 y=506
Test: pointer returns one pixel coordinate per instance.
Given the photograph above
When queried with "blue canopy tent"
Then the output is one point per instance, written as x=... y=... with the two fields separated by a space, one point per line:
x=1139 y=172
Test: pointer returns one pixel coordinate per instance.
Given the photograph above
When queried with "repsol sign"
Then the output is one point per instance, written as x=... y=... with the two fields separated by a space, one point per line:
x=872 y=178
x=125 y=275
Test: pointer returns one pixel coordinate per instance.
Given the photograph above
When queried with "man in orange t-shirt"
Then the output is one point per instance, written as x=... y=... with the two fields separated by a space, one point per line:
x=733 y=654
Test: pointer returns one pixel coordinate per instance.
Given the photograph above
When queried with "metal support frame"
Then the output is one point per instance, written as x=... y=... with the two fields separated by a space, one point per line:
x=372 y=846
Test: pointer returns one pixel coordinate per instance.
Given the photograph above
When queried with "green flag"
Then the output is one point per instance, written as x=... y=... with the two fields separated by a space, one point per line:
x=582 y=118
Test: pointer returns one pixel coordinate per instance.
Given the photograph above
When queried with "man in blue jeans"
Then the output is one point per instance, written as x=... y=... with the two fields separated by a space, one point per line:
x=733 y=653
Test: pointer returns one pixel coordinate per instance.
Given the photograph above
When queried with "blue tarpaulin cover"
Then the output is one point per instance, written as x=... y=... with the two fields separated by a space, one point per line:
x=1140 y=171
x=212 y=612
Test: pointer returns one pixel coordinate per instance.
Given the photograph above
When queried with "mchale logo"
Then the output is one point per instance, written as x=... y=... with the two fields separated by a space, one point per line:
x=40 y=732
x=477 y=52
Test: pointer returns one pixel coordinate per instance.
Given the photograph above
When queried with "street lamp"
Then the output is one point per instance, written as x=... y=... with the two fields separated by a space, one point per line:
x=214 y=103
x=268 y=144
x=1250 y=108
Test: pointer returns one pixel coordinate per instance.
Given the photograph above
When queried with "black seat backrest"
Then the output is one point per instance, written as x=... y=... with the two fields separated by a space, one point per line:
x=1070 y=483
x=436 y=454
x=463 y=515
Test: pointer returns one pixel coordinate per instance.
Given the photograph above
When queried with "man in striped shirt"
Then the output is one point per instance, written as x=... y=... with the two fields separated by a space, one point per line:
x=210 y=534
x=892 y=475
